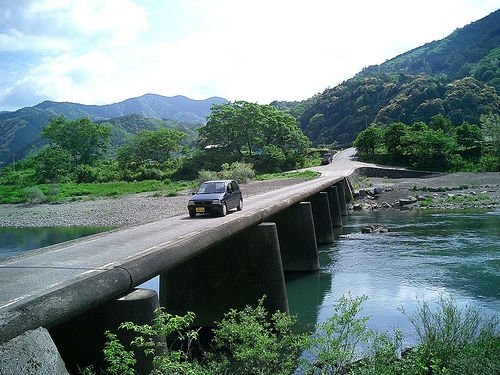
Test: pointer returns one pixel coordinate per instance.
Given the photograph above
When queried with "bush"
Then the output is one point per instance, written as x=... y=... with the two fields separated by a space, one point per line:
x=205 y=175
x=33 y=194
x=240 y=172
x=251 y=342
x=447 y=332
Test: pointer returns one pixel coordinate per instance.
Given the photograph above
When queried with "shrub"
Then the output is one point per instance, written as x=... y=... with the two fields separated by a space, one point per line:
x=251 y=342
x=448 y=331
x=205 y=175
x=333 y=347
x=33 y=194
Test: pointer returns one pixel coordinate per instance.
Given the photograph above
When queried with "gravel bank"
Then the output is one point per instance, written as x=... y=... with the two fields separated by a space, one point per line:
x=143 y=208
x=440 y=187
x=117 y=212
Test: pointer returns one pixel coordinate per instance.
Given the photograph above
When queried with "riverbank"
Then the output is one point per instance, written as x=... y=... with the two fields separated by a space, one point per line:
x=461 y=190
x=146 y=207
x=123 y=211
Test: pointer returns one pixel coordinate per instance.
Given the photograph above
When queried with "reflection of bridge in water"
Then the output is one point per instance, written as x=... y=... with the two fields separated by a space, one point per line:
x=80 y=288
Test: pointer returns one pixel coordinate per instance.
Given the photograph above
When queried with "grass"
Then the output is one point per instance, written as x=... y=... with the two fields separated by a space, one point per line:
x=53 y=193
x=308 y=175
x=62 y=192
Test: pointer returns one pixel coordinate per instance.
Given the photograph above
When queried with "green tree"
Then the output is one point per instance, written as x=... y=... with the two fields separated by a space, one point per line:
x=392 y=138
x=427 y=148
x=150 y=146
x=368 y=140
x=491 y=129
x=51 y=164
x=468 y=135
x=246 y=127
x=84 y=140
x=439 y=122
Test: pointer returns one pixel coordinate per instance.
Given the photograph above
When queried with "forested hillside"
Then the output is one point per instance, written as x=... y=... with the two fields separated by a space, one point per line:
x=20 y=130
x=458 y=76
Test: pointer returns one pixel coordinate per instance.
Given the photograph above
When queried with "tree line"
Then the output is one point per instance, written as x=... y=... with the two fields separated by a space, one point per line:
x=437 y=145
x=79 y=150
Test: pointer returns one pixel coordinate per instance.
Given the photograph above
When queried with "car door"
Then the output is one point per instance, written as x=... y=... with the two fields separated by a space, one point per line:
x=232 y=196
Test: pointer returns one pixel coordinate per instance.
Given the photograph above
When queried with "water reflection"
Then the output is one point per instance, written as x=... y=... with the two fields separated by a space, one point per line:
x=18 y=240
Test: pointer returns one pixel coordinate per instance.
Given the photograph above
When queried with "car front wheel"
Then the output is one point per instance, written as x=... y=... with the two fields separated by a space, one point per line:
x=223 y=210
x=192 y=213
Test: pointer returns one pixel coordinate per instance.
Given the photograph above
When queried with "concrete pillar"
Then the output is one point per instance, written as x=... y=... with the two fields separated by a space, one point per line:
x=348 y=190
x=297 y=237
x=322 y=219
x=233 y=274
x=333 y=197
x=342 y=201
x=33 y=352
x=81 y=339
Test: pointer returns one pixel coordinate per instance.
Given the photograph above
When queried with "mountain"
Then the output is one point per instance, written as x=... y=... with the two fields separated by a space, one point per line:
x=458 y=76
x=21 y=129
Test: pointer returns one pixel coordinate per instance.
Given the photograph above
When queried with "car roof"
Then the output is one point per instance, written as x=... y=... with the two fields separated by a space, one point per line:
x=211 y=181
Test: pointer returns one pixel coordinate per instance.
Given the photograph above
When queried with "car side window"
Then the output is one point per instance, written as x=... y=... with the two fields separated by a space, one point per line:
x=235 y=186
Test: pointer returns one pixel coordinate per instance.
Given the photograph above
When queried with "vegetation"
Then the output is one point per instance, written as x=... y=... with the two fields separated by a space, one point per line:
x=77 y=161
x=251 y=341
x=436 y=145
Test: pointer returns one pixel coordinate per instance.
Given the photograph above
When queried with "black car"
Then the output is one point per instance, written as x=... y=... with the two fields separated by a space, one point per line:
x=216 y=198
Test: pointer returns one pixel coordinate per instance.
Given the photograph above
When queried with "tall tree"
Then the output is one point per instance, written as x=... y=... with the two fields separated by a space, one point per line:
x=242 y=127
x=368 y=140
x=150 y=146
x=84 y=140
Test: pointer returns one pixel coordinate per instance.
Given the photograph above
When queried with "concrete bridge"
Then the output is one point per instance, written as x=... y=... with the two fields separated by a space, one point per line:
x=79 y=288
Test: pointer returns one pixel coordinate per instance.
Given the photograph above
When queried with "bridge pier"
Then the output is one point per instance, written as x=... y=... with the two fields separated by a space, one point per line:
x=80 y=340
x=297 y=238
x=333 y=197
x=322 y=219
x=342 y=199
x=233 y=274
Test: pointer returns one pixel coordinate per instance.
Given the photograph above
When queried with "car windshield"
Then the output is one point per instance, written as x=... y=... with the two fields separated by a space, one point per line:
x=211 y=187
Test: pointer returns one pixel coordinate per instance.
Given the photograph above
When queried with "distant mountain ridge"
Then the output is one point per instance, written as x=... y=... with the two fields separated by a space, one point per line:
x=177 y=108
x=20 y=129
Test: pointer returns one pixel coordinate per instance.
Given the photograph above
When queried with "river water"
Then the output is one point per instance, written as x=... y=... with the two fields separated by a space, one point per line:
x=425 y=256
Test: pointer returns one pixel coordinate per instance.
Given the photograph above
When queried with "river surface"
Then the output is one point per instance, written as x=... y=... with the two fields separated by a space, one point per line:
x=425 y=256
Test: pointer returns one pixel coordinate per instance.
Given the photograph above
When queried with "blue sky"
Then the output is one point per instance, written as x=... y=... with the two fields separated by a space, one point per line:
x=105 y=51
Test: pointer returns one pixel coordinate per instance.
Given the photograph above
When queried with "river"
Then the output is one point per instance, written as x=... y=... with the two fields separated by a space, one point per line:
x=426 y=255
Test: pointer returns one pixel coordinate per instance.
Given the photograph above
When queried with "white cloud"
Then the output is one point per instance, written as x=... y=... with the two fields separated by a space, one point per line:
x=102 y=51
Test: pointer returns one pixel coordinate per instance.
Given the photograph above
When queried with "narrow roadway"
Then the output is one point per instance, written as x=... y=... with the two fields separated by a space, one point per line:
x=44 y=286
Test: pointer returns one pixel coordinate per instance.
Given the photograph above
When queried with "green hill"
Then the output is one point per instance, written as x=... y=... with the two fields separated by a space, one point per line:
x=458 y=76
x=21 y=129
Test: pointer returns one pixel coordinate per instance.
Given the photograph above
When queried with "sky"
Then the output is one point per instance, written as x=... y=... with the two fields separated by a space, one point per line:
x=106 y=51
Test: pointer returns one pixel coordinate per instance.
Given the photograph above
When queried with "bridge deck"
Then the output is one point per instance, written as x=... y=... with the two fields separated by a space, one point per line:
x=46 y=286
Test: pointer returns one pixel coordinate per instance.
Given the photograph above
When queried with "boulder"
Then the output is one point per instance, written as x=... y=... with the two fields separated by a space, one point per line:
x=375 y=229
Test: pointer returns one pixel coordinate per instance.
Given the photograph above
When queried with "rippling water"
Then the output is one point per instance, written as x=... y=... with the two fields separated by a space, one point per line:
x=425 y=256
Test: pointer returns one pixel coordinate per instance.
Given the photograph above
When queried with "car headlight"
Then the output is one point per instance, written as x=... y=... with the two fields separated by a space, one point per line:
x=190 y=203
x=216 y=201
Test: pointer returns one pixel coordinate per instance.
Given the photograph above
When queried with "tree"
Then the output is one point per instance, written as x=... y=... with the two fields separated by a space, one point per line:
x=150 y=146
x=84 y=140
x=51 y=164
x=440 y=122
x=392 y=138
x=468 y=135
x=368 y=140
x=246 y=129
